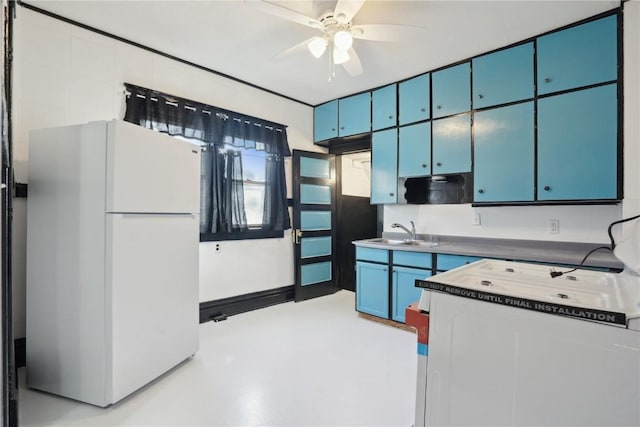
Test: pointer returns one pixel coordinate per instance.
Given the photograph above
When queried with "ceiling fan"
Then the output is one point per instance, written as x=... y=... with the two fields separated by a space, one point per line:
x=338 y=32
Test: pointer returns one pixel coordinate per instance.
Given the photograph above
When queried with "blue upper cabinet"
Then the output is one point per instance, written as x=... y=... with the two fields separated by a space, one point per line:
x=354 y=114
x=325 y=121
x=504 y=154
x=452 y=145
x=577 y=145
x=414 y=150
x=503 y=76
x=451 y=90
x=413 y=98
x=384 y=107
x=578 y=56
x=384 y=166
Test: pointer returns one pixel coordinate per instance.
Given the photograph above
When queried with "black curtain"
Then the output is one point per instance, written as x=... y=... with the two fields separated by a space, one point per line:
x=222 y=204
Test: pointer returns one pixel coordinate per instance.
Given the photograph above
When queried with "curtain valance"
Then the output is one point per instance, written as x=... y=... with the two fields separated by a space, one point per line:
x=212 y=125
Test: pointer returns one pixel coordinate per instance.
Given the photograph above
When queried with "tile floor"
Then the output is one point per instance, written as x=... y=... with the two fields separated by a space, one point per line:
x=315 y=363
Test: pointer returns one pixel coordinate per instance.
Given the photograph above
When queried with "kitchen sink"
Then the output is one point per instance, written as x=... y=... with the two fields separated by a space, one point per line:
x=403 y=242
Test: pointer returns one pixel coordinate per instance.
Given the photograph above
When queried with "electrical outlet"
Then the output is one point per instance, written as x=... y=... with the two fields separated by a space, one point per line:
x=475 y=218
x=554 y=226
x=218 y=248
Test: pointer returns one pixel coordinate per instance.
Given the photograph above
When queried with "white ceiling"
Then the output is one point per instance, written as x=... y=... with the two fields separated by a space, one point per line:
x=234 y=38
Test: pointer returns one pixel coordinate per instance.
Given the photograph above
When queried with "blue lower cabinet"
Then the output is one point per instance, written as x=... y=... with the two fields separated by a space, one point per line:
x=372 y=289
x=403 y=290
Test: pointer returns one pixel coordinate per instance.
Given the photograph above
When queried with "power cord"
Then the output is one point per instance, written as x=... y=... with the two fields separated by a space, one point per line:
x=555 y=274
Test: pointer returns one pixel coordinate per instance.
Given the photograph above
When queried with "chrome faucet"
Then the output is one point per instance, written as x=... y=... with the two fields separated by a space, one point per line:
x=411 y=232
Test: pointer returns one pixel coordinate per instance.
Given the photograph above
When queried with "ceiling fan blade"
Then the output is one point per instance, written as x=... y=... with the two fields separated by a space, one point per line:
x=347 y=9
x=388 y=32
x=283 y=12
x=353 y=66
x=297 y=48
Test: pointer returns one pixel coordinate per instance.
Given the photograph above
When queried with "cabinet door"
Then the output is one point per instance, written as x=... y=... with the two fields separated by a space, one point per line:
x=504 y=154
x=452 y=145
x=372 y=289
x=578 y=56
x=413 y=98
x=451 y=90
x=384 y=166
x=325 y=121
x=503 y=76
x=578 y=144
x=384 y=107
x=414 y=150
x=354 y=114
x=404 y=291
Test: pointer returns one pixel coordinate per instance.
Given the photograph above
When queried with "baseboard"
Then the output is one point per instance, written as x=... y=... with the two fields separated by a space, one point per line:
x=222 y=308
x=20 y=352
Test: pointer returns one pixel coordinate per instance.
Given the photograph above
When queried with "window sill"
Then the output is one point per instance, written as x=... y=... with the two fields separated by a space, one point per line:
x=241 y=235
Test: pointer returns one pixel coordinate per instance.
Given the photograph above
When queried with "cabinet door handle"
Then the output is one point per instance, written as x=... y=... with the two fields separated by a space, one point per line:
x=423 y=109
x=547 y=188
x=438 y=164
x=390 y=117
x=333 y=129
x=480 y=96
x=341 y=127
x=424 y=165
x=481 y=191
x=438 y=107
x=548 y=79
x=391 y=194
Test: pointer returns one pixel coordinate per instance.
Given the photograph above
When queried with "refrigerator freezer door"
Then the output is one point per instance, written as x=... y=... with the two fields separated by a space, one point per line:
x=148 y=171
x=152 y=278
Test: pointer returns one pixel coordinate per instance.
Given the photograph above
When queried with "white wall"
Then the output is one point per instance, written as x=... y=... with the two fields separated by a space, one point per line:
x=67 y=75
x=577 y=223
x=356 y=174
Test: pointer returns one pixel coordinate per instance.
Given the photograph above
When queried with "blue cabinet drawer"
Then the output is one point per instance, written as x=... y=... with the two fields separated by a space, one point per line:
x=370 y=254
x=413 y=259
x=449 y=262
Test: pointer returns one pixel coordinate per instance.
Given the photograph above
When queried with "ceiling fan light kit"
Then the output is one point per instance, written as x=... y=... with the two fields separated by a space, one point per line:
x=317 y=46
x=338 y=33
x=342 y=40
x=340 y=56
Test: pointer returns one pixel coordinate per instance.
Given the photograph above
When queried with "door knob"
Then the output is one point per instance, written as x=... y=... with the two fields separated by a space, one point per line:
x=297 y=235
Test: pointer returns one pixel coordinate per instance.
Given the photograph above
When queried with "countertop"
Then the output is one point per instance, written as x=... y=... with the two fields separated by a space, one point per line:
x=553 y=252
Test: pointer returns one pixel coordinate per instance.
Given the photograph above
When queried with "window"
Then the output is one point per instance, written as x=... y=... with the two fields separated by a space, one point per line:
x=243 y=190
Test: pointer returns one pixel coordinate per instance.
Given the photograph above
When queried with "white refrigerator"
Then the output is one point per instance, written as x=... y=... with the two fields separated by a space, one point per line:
x=112 y=258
